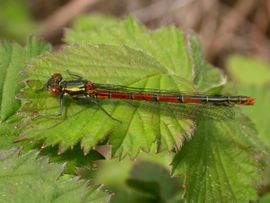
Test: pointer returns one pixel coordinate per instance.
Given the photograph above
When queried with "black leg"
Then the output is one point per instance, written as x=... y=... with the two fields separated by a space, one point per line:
x=100 y=107
x=56 y=114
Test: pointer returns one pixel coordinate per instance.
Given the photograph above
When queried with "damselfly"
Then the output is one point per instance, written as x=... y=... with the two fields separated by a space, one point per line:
x=191 y=104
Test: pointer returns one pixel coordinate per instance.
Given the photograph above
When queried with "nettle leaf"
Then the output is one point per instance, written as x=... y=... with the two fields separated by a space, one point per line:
x=85 y=122
x=33 y=179
x=168 y=46
x=13 y=58
x=206 y=157
x=221 y=162
x=151 y=60
x=206 y=77
x=74 y=159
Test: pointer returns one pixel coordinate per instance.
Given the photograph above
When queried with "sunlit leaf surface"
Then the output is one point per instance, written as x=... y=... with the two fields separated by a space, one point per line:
x=85 y=121
x=219 y=164
x=179 y=54
x=157 y=59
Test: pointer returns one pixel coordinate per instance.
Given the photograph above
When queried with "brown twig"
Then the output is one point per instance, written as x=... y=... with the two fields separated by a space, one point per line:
x=158 y=9
x=235 y=17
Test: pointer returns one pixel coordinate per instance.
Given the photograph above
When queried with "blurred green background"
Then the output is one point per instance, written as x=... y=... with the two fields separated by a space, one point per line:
x=217 y=22
x=235 y=36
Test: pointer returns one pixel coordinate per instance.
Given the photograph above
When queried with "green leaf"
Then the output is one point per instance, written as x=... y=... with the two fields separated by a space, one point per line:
x=73 y=158
x=33 y=179
x=248 y=70
x=157 y=59
x=15 y=20
x=206 y=77
x=221 y=162
x=167 y=45
x=104 y=64
x=13 y=58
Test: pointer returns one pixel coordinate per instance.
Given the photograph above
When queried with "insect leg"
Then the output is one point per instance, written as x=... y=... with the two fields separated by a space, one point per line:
x=60 y=112
x=104 y=110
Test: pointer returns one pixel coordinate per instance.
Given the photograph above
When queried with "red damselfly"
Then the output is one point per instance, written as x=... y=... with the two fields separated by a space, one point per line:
x=190 y=104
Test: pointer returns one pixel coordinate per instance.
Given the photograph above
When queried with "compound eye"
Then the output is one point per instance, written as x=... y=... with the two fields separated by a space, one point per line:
x=54 y=91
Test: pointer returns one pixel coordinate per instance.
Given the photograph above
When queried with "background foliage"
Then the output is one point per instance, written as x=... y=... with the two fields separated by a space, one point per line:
x=166 y=159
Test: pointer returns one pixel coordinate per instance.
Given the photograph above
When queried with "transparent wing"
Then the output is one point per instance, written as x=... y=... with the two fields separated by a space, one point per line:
x=191 y=111
x=175 y=110
x=120 y=88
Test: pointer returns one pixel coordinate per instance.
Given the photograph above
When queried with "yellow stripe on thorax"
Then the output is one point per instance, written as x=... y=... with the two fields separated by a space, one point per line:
x=74 y=89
